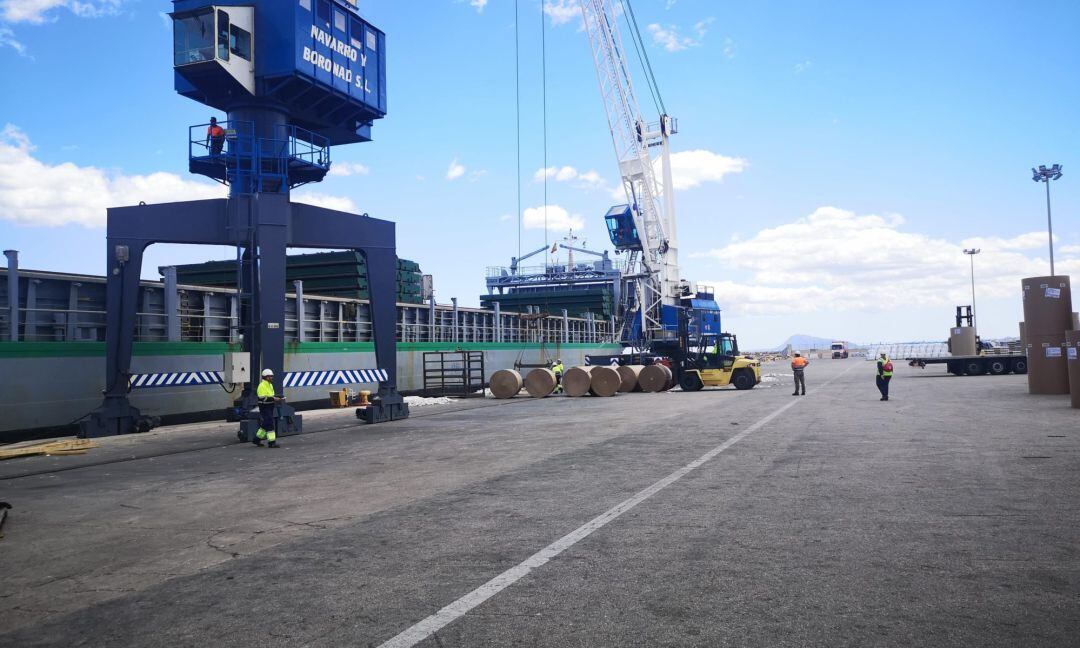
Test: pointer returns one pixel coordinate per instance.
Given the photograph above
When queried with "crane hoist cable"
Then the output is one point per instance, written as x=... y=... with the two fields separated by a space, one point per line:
x=643 y=56
x=543 y=84
x=517 y=100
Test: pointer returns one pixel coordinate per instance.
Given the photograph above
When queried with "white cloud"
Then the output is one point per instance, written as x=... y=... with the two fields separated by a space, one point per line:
x=562 y=11
x=348 y=169
x=582 y=179
x=475 y=4
x=701 y=27
x=455 y=170
x=339 y=203
x=689 y=169
x=1029 y=241
x=692 y=168
x=7 y=39
x=670 y=39
x=37 y=193
x=39 y=11
x=837 y=261
x=33 y=192
x=803 y=66
x=729 y=48
x=557 y=219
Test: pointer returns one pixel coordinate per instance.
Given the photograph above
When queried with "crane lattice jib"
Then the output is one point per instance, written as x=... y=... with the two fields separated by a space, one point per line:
x=632 y=137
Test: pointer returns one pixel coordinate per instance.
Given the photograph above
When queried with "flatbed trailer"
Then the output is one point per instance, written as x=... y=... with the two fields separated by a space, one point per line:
x=977 y=365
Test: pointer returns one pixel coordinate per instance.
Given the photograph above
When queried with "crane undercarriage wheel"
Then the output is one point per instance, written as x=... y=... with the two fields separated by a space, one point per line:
x=743 y=379
x=690 y=382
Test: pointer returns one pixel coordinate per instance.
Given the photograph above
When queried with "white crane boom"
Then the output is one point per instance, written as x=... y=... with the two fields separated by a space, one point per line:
x=651 y=198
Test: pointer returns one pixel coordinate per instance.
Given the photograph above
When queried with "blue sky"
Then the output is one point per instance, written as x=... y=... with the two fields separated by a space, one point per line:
x=846 y=151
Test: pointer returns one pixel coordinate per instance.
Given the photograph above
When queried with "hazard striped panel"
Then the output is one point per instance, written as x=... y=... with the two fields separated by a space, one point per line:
x=292 y=378
x=334 y=377
x=181 y=379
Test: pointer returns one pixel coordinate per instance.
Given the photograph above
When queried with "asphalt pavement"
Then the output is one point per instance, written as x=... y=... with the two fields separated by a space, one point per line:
x=947 y=516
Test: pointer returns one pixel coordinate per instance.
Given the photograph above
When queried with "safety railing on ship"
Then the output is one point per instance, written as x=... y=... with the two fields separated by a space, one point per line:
x=88 y=325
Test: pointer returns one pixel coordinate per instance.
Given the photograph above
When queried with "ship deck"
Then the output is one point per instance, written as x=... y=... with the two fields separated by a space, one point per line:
x=947 y=516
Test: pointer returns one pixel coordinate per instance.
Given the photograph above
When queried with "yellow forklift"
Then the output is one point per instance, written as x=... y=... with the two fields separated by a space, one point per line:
x=710 y=360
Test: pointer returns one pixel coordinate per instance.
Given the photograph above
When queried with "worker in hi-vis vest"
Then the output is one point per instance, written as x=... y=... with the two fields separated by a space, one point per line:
x=798 y=368
x=884 y=375
x=215 y=137
x=267 y=399
x=558 y=370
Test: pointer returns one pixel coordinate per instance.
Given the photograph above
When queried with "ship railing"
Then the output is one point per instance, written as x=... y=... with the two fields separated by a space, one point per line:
x=196 y=325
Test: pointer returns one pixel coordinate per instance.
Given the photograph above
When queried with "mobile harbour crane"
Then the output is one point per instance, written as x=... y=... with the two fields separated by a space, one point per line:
x=660 y=311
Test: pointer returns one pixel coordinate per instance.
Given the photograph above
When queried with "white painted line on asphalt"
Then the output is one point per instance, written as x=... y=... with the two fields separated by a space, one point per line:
x=463 y=605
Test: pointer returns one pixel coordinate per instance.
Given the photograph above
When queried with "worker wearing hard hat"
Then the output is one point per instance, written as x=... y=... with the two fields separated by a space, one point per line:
x=884 y=375
x=798 y=368
x=558 y=369
x=267 y=399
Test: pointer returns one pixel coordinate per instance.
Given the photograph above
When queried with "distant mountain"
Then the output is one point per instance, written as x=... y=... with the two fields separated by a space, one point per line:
x=805 y=342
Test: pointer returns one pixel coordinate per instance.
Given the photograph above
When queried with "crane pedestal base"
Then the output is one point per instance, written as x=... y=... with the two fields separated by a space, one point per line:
x=115 y=416
x=287 y=423
x=385 y=407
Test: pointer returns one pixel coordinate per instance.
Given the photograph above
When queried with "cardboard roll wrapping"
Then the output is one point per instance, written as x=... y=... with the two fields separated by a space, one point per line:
x=629 y=375
x=505 y=383
x=540 y=383
x=577 y=380
x=1072 y=361
x=1047 y=306
x=606 y=381
x=962 y=341
x=655 y=378
x=1047 y=371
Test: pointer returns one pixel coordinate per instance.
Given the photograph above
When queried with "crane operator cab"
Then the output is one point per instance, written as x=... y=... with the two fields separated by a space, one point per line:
x=215 y=44
x=621 y=228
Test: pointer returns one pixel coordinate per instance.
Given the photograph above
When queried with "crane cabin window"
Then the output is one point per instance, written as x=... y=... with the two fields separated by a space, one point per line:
x=240 y=42
x=339 y=21
x=322 y=11
x=306 y=4
x=356 y=34
x=223 y=35
x=193 y=38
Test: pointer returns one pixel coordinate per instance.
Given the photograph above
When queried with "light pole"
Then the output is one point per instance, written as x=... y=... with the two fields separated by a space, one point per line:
x=1042 y=174
x=971 y=254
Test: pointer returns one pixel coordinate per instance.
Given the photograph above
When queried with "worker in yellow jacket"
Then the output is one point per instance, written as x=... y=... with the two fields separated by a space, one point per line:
x=267 y=400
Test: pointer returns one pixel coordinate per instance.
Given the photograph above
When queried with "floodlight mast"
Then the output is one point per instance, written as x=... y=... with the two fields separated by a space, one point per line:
x=971 y=254
x=1044 y=175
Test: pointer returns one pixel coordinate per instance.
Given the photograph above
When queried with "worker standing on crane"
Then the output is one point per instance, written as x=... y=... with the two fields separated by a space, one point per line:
x=798 y=368
x=558 y=370
x=215 y=137
x=884 y=375
x=267 y=400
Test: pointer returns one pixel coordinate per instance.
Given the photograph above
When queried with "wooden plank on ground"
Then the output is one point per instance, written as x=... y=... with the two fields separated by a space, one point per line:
x=66 y=447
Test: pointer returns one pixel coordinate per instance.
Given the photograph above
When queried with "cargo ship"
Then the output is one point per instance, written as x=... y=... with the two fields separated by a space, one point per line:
x=53 y=351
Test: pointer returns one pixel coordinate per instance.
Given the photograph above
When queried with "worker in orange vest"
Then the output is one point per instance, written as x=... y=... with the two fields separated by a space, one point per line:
x=798 y=367
x=215 y=137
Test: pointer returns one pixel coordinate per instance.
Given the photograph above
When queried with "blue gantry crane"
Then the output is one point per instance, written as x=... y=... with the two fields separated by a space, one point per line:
x=293 y=78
